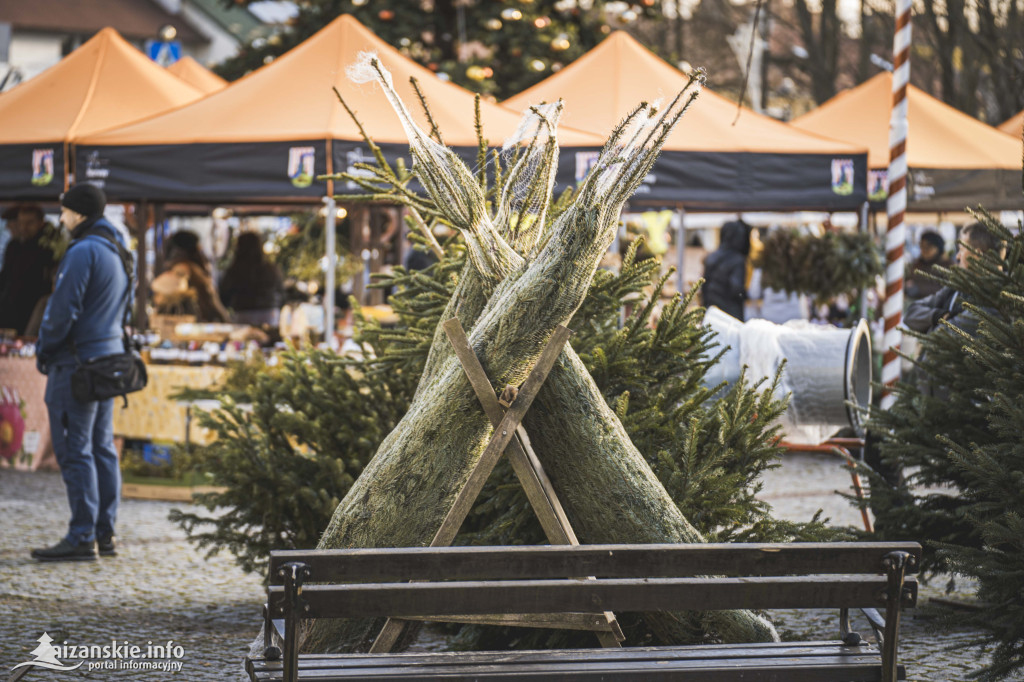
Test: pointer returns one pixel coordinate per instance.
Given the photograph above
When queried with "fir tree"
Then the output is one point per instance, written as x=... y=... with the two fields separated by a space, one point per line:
x=961 y=448
x=496 y=48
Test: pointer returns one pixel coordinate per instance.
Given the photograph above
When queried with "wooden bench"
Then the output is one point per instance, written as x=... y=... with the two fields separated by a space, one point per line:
x=454 y=581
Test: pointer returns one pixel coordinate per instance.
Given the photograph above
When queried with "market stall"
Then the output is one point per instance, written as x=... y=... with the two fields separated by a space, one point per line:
x=104 y=83
x=953 y=160
x=708 y=163
x=270 y=134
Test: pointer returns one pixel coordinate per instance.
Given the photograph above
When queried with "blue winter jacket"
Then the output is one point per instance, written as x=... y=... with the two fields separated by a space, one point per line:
x=88 y=302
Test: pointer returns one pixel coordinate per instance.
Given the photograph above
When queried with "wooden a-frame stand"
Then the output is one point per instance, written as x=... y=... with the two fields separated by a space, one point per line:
x=506 y=414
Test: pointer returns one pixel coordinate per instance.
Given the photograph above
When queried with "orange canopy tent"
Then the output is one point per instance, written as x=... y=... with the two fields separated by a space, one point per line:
x=104 y=83
x=197 y=75
x=758 y=163
x=268 y=135
x=954 y=160
x=1014 y=125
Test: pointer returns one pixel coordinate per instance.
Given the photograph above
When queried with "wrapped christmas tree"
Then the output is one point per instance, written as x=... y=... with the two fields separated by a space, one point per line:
x=525 y=275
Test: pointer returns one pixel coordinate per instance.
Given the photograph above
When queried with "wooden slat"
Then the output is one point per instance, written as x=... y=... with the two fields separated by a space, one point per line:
x=692 y=652
x=615 y=561
x=545 y=504
x=595 y=622
x=546 y=596
x=816 y=669
x=536 y=485
x=502 y=436
x=505 y=424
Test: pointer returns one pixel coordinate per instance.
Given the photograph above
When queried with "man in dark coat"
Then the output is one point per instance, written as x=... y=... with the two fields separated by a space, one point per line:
x=27 y=272
x=725 y=270
x=83 y=321
x=925 y=315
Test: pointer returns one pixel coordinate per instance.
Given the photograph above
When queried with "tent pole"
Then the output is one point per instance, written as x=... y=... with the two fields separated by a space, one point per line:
x=681 y=251
x=142 y=285
x=332 y=266
x=863 y=227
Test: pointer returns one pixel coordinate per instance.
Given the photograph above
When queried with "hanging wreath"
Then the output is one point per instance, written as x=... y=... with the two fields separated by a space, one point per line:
x=822 y=267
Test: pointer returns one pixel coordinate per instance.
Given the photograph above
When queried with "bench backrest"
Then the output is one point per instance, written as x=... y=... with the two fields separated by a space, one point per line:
x=544 y=579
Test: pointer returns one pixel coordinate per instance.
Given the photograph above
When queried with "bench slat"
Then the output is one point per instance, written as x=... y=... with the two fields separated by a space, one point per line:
x=695 y=652
x=547 y=596
x=793 y=669
x=612 y=561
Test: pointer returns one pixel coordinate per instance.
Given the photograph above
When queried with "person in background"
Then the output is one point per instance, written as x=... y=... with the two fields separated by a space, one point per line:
x=926 y=314
x=185 y=287
x=725 y=270
x=29 y=265
x=252 y=287
x=83 y=321
x=918 y=284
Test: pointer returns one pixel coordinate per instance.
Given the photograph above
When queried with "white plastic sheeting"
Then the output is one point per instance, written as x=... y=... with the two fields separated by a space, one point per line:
x=827 y=373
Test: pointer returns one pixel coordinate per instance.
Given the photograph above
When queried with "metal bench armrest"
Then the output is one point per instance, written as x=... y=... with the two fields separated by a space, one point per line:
x=896 y=565
x=294 y=575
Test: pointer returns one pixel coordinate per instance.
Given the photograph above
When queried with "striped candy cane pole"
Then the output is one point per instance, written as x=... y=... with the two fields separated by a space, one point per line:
x=895 y=234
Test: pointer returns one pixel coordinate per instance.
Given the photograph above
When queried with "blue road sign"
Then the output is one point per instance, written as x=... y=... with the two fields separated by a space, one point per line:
x=162 y=52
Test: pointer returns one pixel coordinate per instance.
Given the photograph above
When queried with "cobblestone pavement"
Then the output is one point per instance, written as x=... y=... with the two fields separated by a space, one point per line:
x=806 y=483
x=161 y=588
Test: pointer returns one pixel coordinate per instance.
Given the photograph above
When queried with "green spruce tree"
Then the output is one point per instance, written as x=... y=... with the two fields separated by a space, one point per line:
x=956 y=432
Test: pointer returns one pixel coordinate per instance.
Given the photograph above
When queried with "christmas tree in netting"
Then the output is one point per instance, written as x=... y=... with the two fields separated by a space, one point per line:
x=637 y=448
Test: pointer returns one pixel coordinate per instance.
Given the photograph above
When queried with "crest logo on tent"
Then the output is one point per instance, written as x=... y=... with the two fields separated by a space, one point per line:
x=878 y=185
x=42 y=167
x=300 y=165
x=842 y=176
x=584 y=162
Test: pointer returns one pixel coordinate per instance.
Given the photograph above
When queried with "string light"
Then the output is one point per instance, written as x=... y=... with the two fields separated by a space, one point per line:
x=561 y=43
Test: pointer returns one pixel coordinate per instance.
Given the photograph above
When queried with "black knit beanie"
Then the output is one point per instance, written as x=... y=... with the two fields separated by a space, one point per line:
x=85 y=199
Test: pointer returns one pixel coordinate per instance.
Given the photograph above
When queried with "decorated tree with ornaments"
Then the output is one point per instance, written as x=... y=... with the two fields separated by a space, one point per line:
x=495 y=48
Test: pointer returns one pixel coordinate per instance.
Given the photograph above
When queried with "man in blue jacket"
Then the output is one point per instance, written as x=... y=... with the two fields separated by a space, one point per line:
x=83 y=320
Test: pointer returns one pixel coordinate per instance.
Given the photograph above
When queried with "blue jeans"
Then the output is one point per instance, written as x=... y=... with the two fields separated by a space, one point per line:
x=83 y=441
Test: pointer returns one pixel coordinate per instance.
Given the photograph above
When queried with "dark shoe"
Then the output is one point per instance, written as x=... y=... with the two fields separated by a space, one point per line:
x=65 y=551
x=106 y=545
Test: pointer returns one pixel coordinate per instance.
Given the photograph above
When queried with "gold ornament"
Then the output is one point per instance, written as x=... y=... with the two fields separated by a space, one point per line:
x=476 y=73
x=493 y=24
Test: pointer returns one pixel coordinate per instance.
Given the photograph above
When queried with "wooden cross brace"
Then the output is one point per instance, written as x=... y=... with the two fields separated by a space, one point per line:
x=506 y=414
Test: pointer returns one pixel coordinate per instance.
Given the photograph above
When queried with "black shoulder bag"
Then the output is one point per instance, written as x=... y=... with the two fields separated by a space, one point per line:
x=111 y=375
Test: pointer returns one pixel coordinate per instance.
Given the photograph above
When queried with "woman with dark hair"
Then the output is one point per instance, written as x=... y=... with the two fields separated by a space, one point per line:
x=252 y=286
x=185 y=287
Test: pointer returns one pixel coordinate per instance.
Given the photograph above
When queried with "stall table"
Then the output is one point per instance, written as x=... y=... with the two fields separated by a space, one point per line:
x=24 y=380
